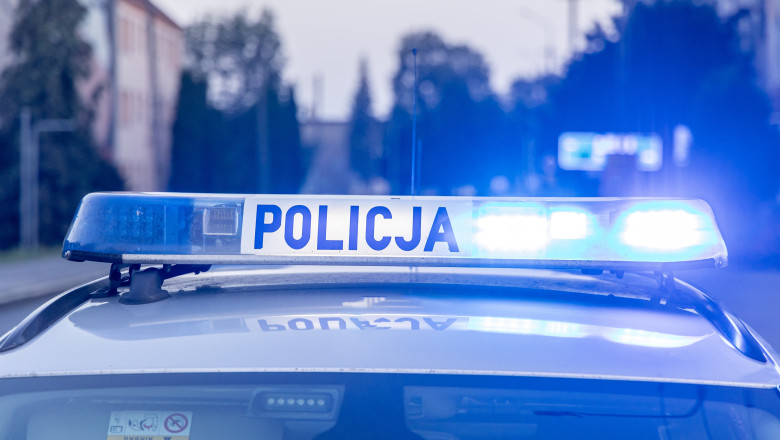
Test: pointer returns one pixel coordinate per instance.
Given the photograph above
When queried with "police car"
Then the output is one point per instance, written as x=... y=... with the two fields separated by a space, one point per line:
x=293 y=317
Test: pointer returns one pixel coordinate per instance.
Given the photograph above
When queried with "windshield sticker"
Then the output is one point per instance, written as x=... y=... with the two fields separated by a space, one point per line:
x=149 y=425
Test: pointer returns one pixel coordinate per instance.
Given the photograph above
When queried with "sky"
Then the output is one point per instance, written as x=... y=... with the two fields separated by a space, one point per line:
x=327 y=39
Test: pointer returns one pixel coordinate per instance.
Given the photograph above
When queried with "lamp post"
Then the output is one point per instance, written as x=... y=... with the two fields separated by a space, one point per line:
x=546 y=26
x=28 y=173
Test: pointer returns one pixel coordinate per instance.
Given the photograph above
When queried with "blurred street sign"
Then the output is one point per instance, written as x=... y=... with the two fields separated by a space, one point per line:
x=29 y=189
x=682 y=145
x=589 y=151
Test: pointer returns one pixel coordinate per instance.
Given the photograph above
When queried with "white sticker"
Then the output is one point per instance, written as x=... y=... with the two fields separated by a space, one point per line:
x=149 y=425
x=362 y=227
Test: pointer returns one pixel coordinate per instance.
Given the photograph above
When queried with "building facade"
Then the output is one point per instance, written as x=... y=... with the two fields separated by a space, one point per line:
x=136 y=64
x=148 y=56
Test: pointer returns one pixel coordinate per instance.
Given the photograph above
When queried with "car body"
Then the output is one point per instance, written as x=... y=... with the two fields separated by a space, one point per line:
x=393 y=351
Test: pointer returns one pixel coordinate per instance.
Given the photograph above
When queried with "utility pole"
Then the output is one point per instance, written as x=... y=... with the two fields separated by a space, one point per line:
x=109 y=8
x=28 y=162
x=28 y=173
x=547 y=27
x=263 y=147
x=316 y=101
x=529 y=122
x=573 y=20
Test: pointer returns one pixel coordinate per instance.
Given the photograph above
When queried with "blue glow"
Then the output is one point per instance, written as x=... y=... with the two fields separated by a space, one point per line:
x=568 y=225
x=650 y=339
x=665 y=229
x=533 y=231
x=510 y=229
x=527 y=327
x=561 y=329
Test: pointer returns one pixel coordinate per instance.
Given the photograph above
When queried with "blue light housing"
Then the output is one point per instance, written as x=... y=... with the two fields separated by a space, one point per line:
x=108 y=225
x=616 y=234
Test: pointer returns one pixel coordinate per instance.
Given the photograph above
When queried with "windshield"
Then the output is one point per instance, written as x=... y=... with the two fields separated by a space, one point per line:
x=342 y=406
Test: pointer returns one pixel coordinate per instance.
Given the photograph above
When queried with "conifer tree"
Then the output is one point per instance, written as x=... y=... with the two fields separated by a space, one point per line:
x=362 y=159
x=50 y=60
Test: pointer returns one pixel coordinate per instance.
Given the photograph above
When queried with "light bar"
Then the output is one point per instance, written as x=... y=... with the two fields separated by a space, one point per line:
x=598 y=233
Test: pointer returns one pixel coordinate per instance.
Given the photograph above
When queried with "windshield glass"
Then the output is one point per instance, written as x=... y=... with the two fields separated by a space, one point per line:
x=339 y=406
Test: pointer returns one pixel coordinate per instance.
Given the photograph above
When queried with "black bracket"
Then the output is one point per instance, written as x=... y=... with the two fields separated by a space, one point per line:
x=666 y=281
x=145 y=285
x=115 y=280
x=667 y=284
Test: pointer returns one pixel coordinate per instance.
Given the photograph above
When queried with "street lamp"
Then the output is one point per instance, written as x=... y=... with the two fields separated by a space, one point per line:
x=28 y=173
x=546 y=26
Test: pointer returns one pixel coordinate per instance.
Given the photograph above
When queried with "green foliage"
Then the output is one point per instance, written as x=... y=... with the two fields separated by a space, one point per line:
x=235 y=62
x=462 y=130
x=50 y=60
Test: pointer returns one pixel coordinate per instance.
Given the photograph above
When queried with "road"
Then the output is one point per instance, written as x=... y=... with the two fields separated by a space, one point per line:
x=753 y=295
x=11 y=314
x=26 y=284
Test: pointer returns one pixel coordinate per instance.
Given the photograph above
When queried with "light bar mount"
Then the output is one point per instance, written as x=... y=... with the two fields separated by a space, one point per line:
x=145 y=285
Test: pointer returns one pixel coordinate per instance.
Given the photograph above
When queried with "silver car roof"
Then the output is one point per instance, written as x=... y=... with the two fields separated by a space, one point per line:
x=406 y=320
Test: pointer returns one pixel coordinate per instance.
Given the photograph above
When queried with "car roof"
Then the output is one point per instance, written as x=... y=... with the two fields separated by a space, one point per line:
x=514 y=322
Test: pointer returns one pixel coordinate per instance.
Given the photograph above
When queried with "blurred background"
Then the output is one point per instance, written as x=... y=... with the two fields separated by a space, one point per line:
x=592 y=98
x=660 y=98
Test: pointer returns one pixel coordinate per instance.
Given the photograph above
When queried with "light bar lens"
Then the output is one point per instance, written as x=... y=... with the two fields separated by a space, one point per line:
x=214 y=229
x=509 y=230
x=221 y=221
x=568 y=225
x=665 y=230
x=156 y=224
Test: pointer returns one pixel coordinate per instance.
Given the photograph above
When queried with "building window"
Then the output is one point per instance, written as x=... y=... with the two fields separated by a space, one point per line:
x=123 y=35
x=139 y=34
x=123 y=108
x=139 y=113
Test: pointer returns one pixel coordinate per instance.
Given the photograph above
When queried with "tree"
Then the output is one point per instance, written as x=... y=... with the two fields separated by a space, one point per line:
x=236 y=118
x=197 y=130
x=675 y=62
x=462 y=130
x=287 y=159
x=363 y=158
x=239 y=58
x=527 y=110
x=50 y=61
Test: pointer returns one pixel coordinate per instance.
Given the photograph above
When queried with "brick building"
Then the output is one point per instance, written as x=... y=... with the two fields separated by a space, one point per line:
x=137 y=53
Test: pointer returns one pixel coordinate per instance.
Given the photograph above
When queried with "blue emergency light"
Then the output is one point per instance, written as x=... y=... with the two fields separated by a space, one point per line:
x=595 y=233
